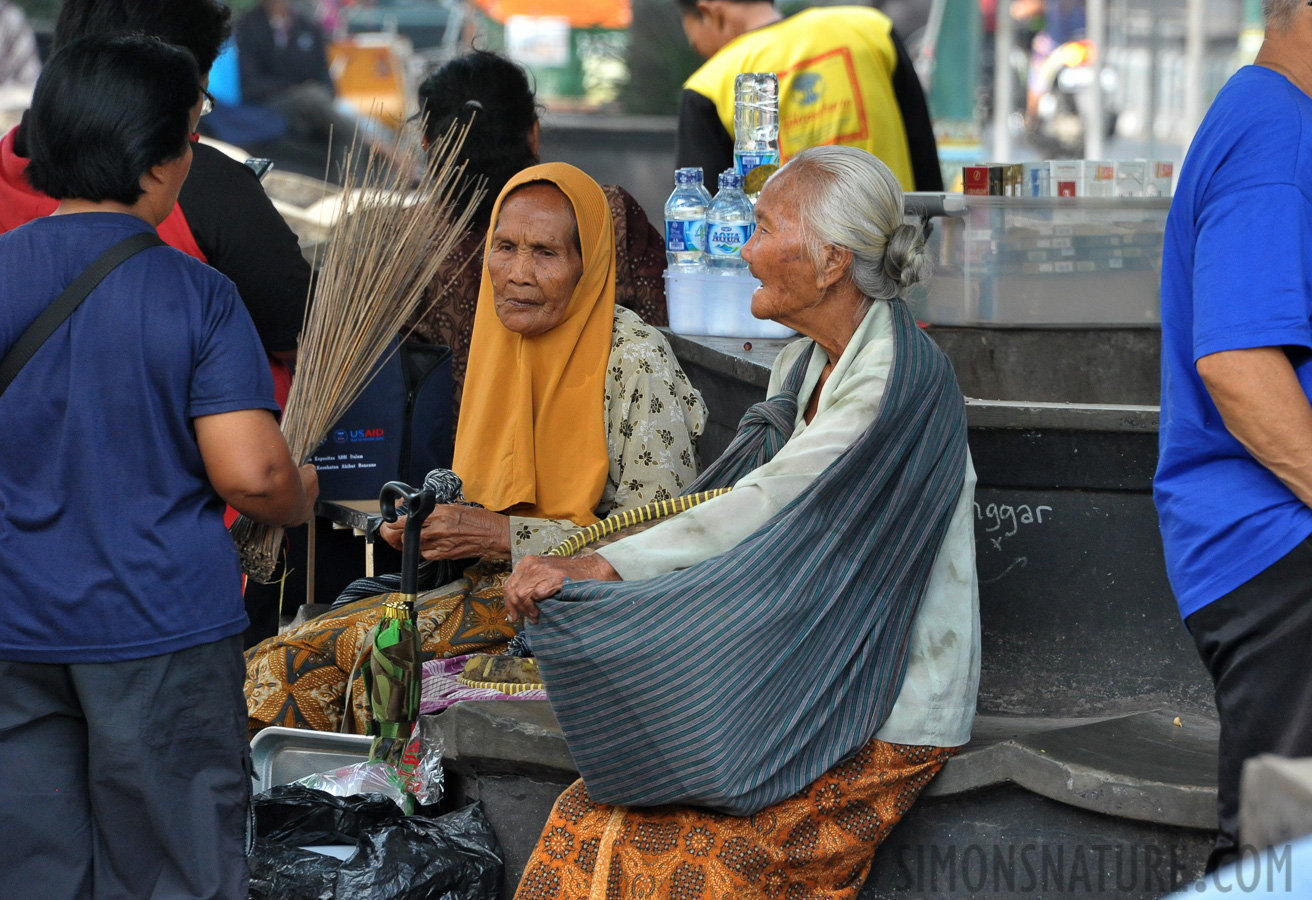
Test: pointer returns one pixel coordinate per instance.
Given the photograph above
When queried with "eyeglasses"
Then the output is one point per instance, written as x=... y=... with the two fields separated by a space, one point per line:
x=207 y=104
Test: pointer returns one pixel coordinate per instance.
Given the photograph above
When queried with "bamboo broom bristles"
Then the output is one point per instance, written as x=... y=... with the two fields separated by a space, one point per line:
x=388 y=244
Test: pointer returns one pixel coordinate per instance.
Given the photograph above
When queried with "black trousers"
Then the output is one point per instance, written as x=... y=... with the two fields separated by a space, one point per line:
x=1256 y=642
x=125 y=779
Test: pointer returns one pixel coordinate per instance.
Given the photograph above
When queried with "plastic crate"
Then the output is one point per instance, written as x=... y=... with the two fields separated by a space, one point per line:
x=714 y=304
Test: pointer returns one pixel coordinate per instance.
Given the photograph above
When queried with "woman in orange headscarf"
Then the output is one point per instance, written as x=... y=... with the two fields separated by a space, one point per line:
x=573 y=410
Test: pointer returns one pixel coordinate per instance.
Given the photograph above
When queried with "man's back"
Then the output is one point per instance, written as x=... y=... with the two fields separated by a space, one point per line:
x=110 y=399
x=844 y=78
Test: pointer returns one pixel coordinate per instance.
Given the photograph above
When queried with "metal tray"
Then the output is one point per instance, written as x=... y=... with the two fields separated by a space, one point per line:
x=282 y=755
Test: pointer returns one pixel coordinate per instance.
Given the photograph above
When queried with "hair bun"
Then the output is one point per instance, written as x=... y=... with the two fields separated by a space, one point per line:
x=905 y=260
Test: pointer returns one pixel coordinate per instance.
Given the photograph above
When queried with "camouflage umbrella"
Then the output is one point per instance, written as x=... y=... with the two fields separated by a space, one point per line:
x=392 y=677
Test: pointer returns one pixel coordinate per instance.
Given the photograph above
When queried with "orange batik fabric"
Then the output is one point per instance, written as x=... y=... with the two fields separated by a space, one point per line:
x=817 y=844
x=299 y=679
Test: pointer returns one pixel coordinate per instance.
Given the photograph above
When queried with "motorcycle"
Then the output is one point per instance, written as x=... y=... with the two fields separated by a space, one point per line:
x=1057 y=105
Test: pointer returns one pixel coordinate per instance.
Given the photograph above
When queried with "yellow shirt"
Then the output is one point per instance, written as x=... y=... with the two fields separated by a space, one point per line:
x=835 y=68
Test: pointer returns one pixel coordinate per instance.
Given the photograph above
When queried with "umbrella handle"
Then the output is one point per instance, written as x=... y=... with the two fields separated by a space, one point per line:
x=418 y=504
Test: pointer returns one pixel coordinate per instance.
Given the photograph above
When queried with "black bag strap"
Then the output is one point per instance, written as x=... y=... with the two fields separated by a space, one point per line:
x=54 y=315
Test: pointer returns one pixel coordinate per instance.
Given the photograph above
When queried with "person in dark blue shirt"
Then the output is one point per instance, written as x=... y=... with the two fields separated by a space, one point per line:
x=1234 y=477
x=283 y=58
x=123 y=754
x=223 y=217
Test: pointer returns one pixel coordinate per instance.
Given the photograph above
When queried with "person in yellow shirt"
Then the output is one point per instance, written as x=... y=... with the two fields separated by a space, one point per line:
x=844 y=78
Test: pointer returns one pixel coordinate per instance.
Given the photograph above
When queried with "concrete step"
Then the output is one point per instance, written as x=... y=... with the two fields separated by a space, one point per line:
x=1140 y=766
x=1133 y=781
x=1121 y=806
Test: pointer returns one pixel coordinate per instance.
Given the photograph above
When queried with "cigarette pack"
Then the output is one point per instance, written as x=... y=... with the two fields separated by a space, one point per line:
x=1130 y=177
x=1099 y=178
x=1065 y=177
x=1161 y=175
x=997 y=180
x=1036 y=178
x=1015 y=179
x=975 y=180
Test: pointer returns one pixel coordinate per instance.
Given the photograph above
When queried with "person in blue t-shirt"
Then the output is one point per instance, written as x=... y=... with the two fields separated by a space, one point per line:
x=123 y=754
x=1234 y=476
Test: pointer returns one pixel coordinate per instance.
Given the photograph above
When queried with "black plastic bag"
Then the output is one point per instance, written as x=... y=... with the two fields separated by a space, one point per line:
x=397 y=857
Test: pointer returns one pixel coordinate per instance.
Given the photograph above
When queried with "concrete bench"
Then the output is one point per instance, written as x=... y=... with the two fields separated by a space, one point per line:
x=1136 y=783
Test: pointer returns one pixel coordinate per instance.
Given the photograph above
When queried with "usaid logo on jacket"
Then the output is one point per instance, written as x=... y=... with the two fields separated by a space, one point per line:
x=356 y=435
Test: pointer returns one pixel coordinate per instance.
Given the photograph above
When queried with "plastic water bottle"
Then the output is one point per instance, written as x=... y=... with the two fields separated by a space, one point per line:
x=701 y=183
x=685 y=221
x=755 y=129
x=729 y=224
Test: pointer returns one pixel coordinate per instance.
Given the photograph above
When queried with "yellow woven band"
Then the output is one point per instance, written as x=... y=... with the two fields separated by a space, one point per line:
x=502 y=686
x=655 y=510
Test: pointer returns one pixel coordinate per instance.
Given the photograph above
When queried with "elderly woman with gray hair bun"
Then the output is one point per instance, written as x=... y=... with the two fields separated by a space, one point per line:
x=801 y=651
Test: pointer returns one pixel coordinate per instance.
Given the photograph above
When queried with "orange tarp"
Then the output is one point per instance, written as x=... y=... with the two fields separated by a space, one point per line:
x=369 y=76
x=581 y=13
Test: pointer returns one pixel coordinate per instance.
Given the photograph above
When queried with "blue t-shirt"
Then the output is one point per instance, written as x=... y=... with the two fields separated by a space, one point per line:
x=112 y=543
x=1236 y=274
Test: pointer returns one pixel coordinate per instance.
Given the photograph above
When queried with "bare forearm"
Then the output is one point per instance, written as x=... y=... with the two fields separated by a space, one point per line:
x=281 y=499
x=539 y=577
x=250 y=467
x=492 y=537
x=485 y=535
x=1263 y=405
x=456 y=532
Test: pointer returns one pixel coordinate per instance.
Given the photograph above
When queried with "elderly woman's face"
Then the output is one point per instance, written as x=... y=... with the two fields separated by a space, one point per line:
x=776 y=254
x=533 y=262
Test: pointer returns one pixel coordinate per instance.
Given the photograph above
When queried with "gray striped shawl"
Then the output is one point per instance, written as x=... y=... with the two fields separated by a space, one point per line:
x=736 y=682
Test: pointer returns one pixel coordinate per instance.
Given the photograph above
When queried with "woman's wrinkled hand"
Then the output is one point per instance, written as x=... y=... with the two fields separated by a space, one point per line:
x=539 y=577
x=456 y=532
x=393 y=532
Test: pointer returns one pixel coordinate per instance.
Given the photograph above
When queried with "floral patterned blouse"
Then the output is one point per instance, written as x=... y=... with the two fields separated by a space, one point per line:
x=653 y=419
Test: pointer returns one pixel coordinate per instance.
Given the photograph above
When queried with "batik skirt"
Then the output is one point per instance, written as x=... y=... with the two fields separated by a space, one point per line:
x=817 y=844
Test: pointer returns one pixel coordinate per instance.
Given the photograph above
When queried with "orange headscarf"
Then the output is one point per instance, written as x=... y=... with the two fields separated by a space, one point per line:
x=532 y=436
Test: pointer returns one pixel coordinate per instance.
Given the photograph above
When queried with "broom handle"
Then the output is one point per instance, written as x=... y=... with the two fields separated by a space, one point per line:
x=418 y=504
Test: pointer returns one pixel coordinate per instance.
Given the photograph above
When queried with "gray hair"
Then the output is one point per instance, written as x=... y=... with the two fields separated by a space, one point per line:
x=854 y=201
x=1279 y=14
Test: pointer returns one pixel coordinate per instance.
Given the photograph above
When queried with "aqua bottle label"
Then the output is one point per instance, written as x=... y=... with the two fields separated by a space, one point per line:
x=745 y=161
x=727 y=240
x=684 y=235
x=755 y=167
